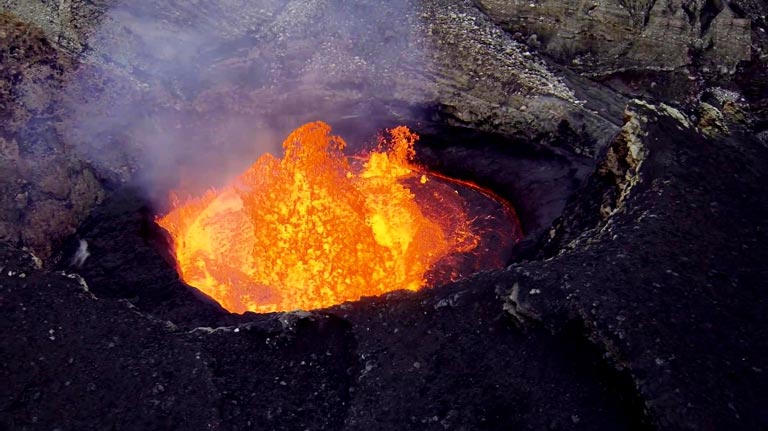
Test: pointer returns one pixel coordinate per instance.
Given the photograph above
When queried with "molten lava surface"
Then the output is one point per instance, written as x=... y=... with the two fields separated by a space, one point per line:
x=317 y=228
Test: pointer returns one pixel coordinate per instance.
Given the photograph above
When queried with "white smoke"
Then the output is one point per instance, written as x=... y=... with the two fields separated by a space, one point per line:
x=81 y=254
x=171 y=92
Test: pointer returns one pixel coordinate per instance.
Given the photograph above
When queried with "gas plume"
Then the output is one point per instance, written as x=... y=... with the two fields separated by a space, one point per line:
x=171 y=93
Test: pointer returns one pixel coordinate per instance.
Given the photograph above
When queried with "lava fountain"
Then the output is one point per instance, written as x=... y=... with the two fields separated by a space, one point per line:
x=317 y=228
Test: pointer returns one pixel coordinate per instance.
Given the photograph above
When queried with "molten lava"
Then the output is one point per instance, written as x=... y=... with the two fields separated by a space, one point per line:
x=317 y=228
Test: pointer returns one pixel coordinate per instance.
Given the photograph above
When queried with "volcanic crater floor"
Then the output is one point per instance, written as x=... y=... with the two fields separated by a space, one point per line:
x=611 y=325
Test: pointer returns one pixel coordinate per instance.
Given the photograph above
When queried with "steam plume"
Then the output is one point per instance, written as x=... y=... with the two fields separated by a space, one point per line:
x=169 y=92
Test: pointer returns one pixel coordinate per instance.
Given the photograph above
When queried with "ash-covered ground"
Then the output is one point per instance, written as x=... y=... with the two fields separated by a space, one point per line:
x=630 y=137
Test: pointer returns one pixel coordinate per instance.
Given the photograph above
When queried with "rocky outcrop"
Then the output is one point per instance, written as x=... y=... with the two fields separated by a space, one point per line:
x=46 y=191
x=637 y=300
x=665 y=49
x=671 y=266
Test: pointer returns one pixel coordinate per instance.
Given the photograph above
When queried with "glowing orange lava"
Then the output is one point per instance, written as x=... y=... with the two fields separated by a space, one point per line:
x=314 y=228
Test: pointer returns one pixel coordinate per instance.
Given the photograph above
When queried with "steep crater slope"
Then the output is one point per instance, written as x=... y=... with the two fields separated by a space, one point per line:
x=635 y=303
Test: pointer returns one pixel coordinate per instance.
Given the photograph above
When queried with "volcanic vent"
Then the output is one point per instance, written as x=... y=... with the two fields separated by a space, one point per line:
x=318 y=228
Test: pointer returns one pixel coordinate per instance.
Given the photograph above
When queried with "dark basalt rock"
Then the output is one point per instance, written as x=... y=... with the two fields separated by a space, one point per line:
x=645 y=310
x=636 y=301
x=660 y=258
x=449 y=358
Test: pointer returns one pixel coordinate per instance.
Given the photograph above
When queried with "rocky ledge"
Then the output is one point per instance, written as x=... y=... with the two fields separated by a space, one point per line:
x=636 y=301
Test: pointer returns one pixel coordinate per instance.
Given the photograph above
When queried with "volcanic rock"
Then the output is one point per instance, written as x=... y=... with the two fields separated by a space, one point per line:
x=46 y=192
x=632 y=137
x=666 y=49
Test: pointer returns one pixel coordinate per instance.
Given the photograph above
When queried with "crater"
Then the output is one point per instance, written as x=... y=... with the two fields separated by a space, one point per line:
x=506 y=190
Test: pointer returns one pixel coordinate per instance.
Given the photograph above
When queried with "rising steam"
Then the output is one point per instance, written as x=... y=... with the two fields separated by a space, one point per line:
x=168 y=92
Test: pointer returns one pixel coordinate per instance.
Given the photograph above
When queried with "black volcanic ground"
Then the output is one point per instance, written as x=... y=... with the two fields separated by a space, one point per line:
x=636 y=299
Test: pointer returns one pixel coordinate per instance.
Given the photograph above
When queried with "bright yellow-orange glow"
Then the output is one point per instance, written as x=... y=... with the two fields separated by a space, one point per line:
x=314 y=229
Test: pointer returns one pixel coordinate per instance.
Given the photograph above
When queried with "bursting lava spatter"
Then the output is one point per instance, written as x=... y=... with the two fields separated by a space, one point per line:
x=311 y=230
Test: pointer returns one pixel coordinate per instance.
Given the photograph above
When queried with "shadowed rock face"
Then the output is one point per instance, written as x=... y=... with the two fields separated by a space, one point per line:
x=46 y=191
x=665 y=49
x=649 y=255
x=635 y=302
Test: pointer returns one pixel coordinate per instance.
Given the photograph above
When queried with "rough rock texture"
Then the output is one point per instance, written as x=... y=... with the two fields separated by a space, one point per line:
x=666 y=49
x=644 y=310
x=45 y=191
x=434 y=360
x=661 y=259
x=637 y=301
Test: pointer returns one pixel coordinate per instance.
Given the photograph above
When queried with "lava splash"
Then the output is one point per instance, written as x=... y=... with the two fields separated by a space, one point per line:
x=317 y=228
